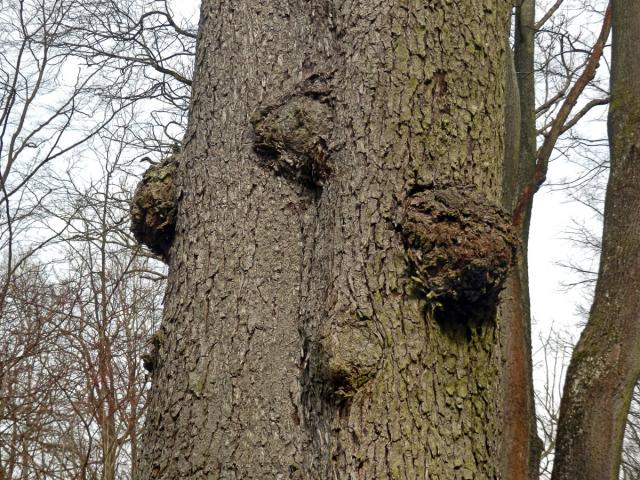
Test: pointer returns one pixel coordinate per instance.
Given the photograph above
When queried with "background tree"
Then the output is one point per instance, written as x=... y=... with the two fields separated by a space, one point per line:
x=595 y=402
x=117 y=301
x=75 y=314
x=548 y=99
x=73 y=336
x=31 y=412
x=566 y=78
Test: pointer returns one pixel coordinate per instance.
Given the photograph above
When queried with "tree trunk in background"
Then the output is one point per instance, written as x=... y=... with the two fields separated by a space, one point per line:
x=334 y=276
x=109 y=448
x=522 y=446
x=605 y=365
x=524 y=52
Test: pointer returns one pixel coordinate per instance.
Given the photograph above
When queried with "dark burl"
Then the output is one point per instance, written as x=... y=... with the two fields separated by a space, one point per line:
x=292 y=134
x=459 y=247
x=153 y=209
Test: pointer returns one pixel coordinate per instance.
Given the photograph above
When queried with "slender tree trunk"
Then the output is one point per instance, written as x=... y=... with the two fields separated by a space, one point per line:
x=109 y=449
x=338 y=251
x=135 y=462
x=522 y=448
x=605 y=365
x=524 y=52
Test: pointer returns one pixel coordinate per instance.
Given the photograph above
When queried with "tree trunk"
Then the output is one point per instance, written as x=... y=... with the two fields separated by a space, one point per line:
x=338 y=251
x=109 y=449
x=605 y=365
x=522 y=446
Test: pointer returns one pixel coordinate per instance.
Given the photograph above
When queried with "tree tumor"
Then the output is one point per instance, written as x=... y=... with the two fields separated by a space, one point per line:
x=153 y=209
x=459 y=248
x=291 y=134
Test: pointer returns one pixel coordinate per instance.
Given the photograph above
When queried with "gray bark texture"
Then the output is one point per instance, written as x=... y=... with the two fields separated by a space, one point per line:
x=339 y=253
x=605 y=365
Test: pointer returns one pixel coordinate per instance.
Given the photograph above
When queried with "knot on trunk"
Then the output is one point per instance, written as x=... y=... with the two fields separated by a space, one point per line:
x=291 y=135
x=459 y=247
x=344 y=354
x=346 y=360
x=153 y=208
x=150 y=359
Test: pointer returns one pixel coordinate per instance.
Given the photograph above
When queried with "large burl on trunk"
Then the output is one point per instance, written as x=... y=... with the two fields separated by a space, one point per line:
x=338 y=253
x=153 y=208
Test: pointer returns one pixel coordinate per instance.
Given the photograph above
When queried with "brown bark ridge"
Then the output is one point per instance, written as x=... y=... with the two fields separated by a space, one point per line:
x=311 y=330
x=605 y=365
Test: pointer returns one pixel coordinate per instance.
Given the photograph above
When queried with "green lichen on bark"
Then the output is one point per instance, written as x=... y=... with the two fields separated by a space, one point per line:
x=153 y=208
x=459 y=248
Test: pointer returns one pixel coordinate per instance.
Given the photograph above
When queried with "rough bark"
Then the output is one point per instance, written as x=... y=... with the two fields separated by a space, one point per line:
x=605 y=365
x=311 y=328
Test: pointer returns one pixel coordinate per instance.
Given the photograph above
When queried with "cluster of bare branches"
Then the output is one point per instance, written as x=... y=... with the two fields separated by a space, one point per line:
x=147 y=51
x=86 y=88
x=555 y=351
x=566 y=39
x=72 y=335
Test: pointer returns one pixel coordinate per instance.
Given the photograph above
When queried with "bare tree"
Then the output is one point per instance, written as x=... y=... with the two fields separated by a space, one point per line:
x=146 y=51
x=604 y=367
x=117 y=301
x=72 y=389
x=554 y=353
x=73 y=358
x=41 y=111
x=31 y=416
x=301 y=339
x=567 y=76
